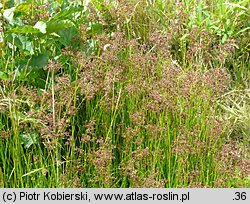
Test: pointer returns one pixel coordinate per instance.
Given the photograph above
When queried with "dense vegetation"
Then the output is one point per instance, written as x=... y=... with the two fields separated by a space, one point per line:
x=125 y=93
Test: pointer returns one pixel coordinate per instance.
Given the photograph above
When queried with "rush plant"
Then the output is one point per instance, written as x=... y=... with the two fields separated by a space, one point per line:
x=124 y=93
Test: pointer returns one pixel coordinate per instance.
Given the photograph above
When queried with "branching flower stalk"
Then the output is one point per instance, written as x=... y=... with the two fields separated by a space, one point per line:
x=124 y=94
x=114 y=115
x=54 y=120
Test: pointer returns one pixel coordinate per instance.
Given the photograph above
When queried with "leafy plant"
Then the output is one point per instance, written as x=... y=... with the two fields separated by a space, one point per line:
x=124 y=93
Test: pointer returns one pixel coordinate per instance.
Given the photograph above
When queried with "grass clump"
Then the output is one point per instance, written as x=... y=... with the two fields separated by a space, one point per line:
x=96 y=95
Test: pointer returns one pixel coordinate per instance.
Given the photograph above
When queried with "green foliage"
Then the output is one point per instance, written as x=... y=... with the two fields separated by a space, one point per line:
x=124 y=93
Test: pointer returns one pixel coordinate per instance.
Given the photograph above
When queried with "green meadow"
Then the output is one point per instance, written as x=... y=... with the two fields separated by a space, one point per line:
x=124 y=93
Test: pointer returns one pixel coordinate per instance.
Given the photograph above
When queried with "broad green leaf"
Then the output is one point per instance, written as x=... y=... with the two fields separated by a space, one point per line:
x=8 y=14
x=95 y=28
x=64 y=14
x=26 y=44
x=55 y=26
x=24 y=30
x=28 y=139
x=36 y=77
x=67 y=36
x=41 y=26
x=40 y=60
x=22 y=42
x=24 y=8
